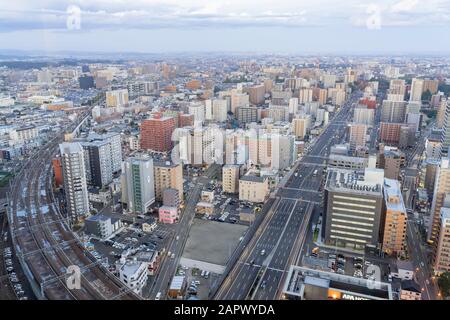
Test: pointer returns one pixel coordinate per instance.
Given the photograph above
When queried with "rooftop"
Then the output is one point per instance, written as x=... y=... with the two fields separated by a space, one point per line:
x=393 y=196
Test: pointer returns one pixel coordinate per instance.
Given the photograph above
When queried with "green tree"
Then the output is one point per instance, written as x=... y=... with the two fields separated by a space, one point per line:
x=444 y=284
x=426 y=95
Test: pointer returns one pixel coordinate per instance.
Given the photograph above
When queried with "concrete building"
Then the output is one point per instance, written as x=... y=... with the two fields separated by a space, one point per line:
x=156 y=133
x=138 y=190
x=397 y=86
x=103 y=157
x=394 y=235
x=253 y=187
x=102 y=226
x=301 y=125
x=246 y=114
x=168 y=175
x=363 y=115
x=230 y=178
x=74 y=177
x=311 y=284
x=347 y=162
x=239 y=99
x=219 y=110
x=392 y=160
x=441 y=189
x=353 y=208
x=256 y=94
x=282 y=151
x=198 y=111
x=117 y=98
x=134 y=275
x=393 y=111
x=442 y=255
x=416 y=90
x=410 y=290
x=168 y=214
x=357 y=135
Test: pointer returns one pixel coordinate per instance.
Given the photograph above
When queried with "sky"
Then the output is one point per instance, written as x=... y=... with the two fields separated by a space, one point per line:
x=281 y=26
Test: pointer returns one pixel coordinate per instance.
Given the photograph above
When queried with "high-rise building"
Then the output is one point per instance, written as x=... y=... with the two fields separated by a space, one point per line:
x=445 y=138
x=198 y=110
x=282 y=151
x=393 y=111
x=363 y=115
x=305 y=95
x=156 y=133
x=117 y=98
x=138 y=189
x=301 y=125
x=246 y=114
x=239 y=99
x=219 y=110
x=397 y=86
x=442 y=110
x=416 y=90
x=430 y=85
x=230 y=178
x=441 y=188
x=357 y=136
x=353 y=208
x=442 y=255
x=392 y=162
x=103 y=157
x=256 y=94
x=74 y=176
x=395 y=221
x=168 y=175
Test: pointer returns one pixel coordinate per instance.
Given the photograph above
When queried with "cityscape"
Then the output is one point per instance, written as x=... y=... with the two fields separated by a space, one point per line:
x=223 y=175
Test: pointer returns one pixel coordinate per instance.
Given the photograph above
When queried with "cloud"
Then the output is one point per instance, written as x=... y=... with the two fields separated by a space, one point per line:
x=155 y=14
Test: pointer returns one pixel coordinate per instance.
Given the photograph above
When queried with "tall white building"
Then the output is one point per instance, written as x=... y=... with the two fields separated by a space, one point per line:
x=220 y=110
x=75 y=185
x=138 y=187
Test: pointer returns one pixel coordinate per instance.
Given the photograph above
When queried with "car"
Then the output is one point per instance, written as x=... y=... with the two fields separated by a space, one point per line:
x=9 y=269
x=203 y=273
x=197 y=282
x=263 y=252
x=158 y=296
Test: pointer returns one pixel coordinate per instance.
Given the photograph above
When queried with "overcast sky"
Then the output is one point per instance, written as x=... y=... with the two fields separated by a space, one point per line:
x=292 y=26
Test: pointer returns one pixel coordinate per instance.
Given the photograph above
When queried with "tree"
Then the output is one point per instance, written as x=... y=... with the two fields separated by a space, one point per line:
x=426 y=95
x=444 y=284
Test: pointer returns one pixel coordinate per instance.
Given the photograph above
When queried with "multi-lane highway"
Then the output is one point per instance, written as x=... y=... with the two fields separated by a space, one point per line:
x=260 y=271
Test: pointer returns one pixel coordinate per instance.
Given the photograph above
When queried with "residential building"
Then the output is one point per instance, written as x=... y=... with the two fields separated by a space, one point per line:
x=394 y=235
x=138 y=189
x=74 y=177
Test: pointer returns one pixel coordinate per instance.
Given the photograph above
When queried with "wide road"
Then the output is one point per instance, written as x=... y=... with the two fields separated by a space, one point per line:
x=169 y=265
x=259 y=274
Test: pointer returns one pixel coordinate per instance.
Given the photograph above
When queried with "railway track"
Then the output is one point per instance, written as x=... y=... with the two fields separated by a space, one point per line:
x=46 y=244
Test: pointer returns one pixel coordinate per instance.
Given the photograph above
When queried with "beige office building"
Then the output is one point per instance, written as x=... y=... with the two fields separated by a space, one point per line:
x=253 y=188
x=230 y=178
x=168 y=175
x=300 y=126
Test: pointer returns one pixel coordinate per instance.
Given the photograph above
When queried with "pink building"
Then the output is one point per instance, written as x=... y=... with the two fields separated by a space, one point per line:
x=168 y=214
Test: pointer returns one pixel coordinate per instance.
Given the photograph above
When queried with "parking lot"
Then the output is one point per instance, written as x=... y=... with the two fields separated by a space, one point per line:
x=359 y=266
x=198 y=282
